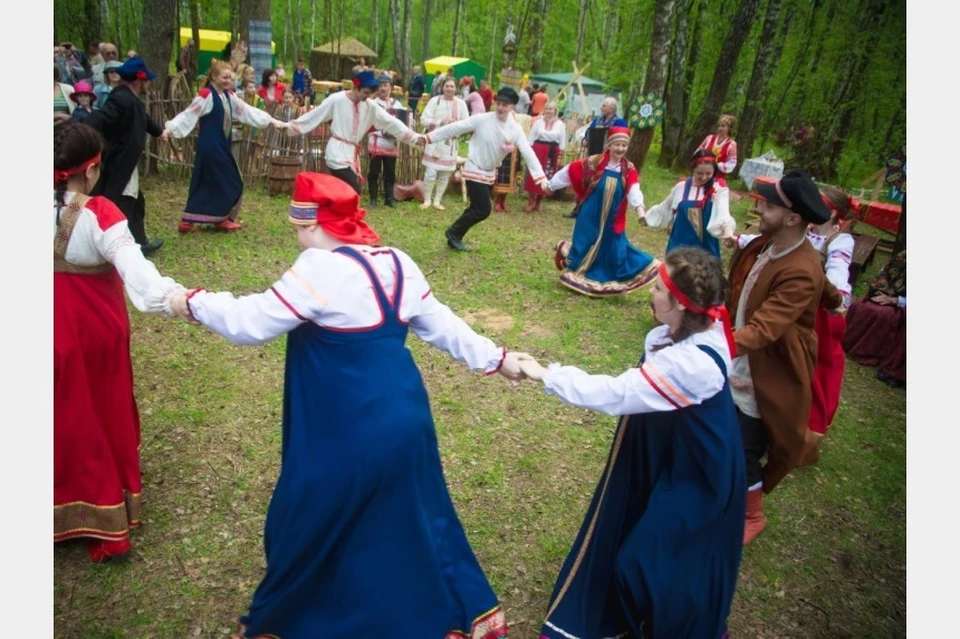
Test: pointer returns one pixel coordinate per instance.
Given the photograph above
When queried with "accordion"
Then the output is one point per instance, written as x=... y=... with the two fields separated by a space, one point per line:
x=596 y=137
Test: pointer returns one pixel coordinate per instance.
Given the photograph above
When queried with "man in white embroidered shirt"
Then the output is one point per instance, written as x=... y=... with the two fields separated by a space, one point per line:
x=494 y=136
x=351 y=114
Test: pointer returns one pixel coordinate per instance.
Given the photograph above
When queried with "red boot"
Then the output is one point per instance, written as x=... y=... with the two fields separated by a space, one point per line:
x=101 y=551
x=756 y=520
x=537 y=203
x=185 y=227
x=531 y=203
x=503 y=203
x=229 y=225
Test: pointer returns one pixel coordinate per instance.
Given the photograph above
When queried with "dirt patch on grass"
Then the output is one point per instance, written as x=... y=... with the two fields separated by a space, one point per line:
x=492 y=319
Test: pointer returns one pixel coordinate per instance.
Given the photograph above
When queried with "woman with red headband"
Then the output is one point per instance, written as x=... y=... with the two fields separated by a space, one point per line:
x=835 y=246
x=660 y=545
x=361 y=537
x=600 y=261
x=96 y=426
x=697 y=209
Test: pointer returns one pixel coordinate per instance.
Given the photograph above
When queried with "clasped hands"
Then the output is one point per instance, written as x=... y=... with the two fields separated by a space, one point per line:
x=517 y=366
x=180 y=307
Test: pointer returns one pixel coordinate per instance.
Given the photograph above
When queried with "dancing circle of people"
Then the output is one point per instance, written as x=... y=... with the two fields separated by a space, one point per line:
x=361 y=536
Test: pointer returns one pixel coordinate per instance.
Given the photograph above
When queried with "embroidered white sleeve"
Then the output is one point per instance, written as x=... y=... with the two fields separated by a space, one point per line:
x=312 y=119
x=731 y=163
x=659 y=216
x=386 y=122
x=249 y=114
x=563 y=134
x=181 y=125
x=837 y=267
x=455 y=129
x=560 y=179
x=534 y=131
x=149 y=291
x=635 y=196
x=440 y=327
x=529 y=157
x=720 y=219
x=673 y=378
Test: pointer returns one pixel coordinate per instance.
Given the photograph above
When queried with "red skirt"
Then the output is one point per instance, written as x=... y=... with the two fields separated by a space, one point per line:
x=828 y=374
x=96 y=426
x=876 y=335
x=549 y=155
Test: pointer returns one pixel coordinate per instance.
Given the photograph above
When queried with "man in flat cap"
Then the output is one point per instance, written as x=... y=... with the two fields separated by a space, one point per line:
x=776 y=284
x=495 y=135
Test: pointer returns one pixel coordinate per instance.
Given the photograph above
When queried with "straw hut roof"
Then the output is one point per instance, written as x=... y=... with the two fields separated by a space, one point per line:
x=349 y=47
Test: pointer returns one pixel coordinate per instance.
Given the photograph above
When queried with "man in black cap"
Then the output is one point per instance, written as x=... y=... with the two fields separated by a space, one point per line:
x=124 y=123
x=495 y=135
x=776 y=284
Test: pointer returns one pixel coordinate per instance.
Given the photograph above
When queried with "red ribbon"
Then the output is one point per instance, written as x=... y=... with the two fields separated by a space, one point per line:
x=717 y=312
x=63 y=176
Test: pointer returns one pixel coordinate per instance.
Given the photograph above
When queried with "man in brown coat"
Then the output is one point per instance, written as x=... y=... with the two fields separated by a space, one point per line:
x=776 y=282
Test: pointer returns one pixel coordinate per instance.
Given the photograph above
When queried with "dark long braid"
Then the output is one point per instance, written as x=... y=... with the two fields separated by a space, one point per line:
x=73 y=144
x=699 y=275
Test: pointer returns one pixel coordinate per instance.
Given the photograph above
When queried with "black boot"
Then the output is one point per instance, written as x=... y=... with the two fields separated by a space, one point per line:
x=373 y=183
x=455 y=242
x=388 y=194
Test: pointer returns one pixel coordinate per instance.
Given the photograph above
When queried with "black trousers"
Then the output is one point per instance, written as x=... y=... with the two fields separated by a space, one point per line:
x=135 y=208
x=349 y=176
x=389 y=167
x=478 y=211
x=755 y=443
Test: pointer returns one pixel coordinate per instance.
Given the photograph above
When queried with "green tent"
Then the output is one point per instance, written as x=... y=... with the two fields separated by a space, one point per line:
x=462 y=67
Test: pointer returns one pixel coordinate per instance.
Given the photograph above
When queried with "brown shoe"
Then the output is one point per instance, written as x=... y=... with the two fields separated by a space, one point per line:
x=756 y=521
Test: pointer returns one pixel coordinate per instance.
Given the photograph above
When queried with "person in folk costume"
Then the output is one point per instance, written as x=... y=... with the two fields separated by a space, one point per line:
x=440 y=158
x=777 y=283
x=835 y=247
x=124 y=123
x=495 y=136
x=548 y=138
x=96 y=426
x=351 y=114
x=382 y=147
x=600 y=261
x=216 y=186
x=607 y=119
x=697 y=209
x=659 y=549
x=722 y=145
x=876 y=332
x=361 y=503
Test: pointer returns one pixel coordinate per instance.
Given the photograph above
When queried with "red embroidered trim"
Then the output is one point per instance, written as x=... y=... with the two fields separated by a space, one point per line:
x=189 y=297
x=503 y=356
x=287 y=304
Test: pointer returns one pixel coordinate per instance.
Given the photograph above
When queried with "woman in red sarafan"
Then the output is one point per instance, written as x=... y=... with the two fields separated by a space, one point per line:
x=96 y=426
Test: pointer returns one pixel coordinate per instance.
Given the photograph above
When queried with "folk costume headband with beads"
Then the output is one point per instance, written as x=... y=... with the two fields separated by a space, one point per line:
x=63 y=176
x=717 y=312
x=618 y=133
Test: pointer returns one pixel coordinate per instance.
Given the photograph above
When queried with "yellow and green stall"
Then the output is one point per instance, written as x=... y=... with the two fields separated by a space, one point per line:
x=211 y=46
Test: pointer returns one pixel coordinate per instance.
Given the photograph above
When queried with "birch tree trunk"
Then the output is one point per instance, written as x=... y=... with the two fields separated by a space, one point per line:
x=656 y=78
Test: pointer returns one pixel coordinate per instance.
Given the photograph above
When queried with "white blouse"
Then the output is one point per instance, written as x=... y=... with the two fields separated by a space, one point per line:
x=721 y=222
x=561 y=180
x=332 y=290
x=101 y=235
x=557 y=132
x=671 y=378
x=181 y=125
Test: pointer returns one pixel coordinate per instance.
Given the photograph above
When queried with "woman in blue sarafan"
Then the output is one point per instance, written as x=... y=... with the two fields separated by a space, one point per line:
x=659 y=549
x=216 y=186
x=600 y=261
x=361 y=537
x=697 y=209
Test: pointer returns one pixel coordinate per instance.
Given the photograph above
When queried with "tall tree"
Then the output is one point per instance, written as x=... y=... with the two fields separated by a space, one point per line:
x=457 y=21
x=762 y=66
x=722 y=75
x=92 y=30
x=677 y=90
x=157 y=33
x=375 y=29
x=297 y=35
x=406 y=63
x=656 y=78
x=427 y=21
x=195 y=33
x=581 y=28
x=252 y=10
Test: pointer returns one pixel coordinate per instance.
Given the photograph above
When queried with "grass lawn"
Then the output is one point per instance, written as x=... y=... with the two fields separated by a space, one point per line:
x=521 y=466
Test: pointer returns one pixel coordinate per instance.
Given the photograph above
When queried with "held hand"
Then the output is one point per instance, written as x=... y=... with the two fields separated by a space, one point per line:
x=180 y=307
x=641 y=213
x=165 y=136
x=511 y=365
x=532 y=369
x=421 y=141
x=729 y=241
x=883 y=300
x=547 y=191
